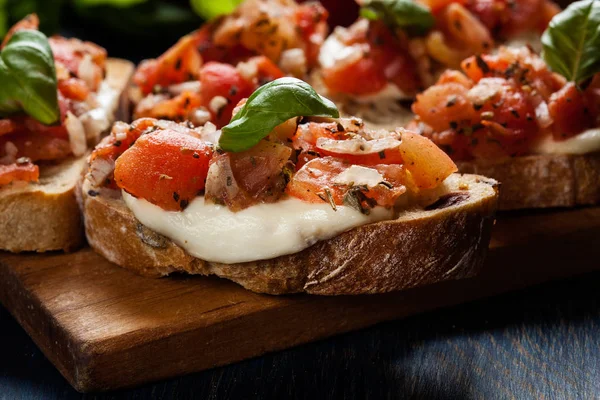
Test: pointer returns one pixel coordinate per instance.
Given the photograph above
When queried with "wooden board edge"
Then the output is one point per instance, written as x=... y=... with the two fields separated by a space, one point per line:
x=47 y=341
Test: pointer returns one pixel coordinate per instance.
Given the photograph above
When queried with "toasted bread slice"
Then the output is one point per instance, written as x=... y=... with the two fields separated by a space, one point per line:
x=542 y=181
x=44 y=216
x=446 y=240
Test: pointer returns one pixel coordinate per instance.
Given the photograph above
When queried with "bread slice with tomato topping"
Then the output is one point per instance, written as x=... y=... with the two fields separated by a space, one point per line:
x=510 y=118
x=207 y=72
x=321 y=206
x=74 y=95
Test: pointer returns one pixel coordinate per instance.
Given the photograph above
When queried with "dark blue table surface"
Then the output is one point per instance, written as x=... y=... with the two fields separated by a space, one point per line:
x=543 y=342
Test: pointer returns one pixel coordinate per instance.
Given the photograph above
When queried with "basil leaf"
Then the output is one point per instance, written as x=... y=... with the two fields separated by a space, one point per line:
x=407 y=15
x=28 y=77
x=210 y=9
x=269 y=106
x=571 y=43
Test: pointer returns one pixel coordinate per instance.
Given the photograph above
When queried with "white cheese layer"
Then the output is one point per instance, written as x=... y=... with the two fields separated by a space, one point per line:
x=333 y=52
x=214 y=233
x=586 y=142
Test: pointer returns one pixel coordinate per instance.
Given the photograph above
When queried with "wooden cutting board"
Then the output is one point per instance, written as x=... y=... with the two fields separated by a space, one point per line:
x=105 y=328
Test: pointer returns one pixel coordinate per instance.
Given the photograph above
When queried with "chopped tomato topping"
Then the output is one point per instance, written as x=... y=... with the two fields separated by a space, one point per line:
x=73 y=88
x=179 y=64
x=165 y=167
x=316 y=182
x=122 y=137
x=177 y=108
x=571 y=111
x=509 y=102
x=36 y=147
x=240 y=180
x=225 y=82
x=311 y=20
x=26 y=172
x=267 y=70
x=83 y=59
x=383 y=58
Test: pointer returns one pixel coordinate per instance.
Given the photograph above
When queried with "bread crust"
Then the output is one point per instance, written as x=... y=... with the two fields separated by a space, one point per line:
x=542 y=181
x=44 y=216
x=418 y=248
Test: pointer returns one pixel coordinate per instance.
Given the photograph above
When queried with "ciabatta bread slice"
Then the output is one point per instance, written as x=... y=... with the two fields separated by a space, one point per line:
x=44 y=216
x=446 y=240
x=542 y=181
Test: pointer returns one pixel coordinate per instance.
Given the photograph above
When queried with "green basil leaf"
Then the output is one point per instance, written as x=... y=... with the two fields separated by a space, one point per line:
x=210 y=9
x=407 y=15
x=269 y=106
x=28 y=77
x=571 y=43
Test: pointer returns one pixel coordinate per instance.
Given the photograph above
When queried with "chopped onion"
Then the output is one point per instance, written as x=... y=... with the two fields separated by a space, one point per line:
x=191 y=86
x=220 y=182
x=543 y=115
x=100 y=169
x=217 y=103
x=86 y=70
x=76 y=132
x=199 y=116
x=293 y=61
x=248 y=70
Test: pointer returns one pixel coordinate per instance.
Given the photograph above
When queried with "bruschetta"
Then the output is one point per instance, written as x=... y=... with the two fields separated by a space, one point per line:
x=375 y=67
x=286 y=198
x=509 y=116
x=206 y=73
x=58 y=97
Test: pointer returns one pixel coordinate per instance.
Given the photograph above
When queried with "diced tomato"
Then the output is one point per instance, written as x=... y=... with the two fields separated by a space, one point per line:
x=571 y=112
x=444 y=105
x=26 y=172
x=211 y=52
x=478 y=67
x=361 y=77
x=176 y=109
x=122 y=137
x=223 y=80
x=179 y=64
x=427 y=164
x=316 y=182
x=8 y=125
x=74 y=88
x=267 y=70
x=311 y=20
x=306 y=136
x=36 y=147
x=166 y=167
x=360 y=151
x=29 y=22
x=71 y=52
x=438 y=5
x=387 y=60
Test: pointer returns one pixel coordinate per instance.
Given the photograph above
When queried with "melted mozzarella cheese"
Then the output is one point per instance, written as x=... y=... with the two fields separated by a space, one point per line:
x=334 y=51
x=214 y=233
x=586 y=142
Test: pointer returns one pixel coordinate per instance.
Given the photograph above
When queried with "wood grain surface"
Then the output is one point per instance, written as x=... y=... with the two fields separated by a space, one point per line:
x=105 y=328
x=539 y=343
